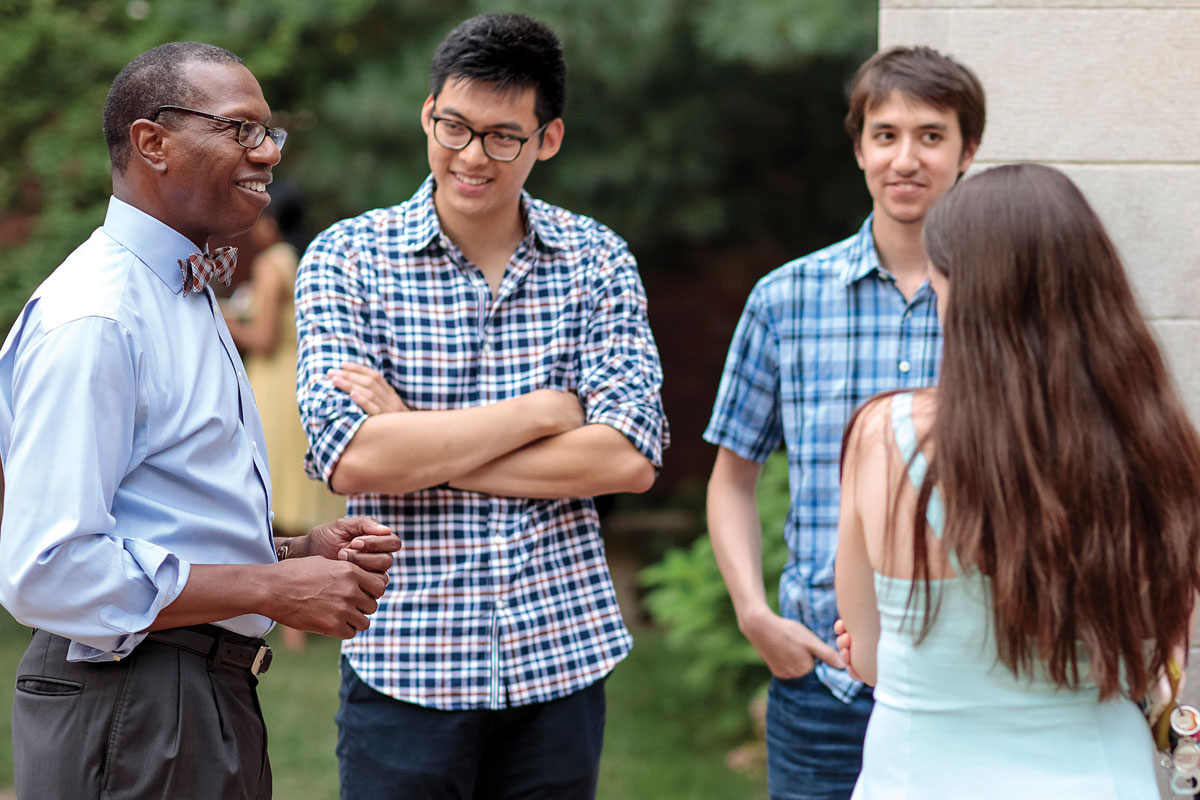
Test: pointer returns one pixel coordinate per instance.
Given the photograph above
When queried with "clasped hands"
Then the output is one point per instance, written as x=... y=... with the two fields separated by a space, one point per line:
x=335 y=592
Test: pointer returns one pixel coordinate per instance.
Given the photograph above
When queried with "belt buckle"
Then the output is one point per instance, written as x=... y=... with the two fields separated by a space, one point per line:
x=262 y=660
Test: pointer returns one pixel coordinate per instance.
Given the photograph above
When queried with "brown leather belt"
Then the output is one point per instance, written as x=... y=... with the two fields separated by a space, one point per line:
x=218 y=645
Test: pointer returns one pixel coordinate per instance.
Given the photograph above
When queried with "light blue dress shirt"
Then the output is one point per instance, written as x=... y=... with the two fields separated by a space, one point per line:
x=131 y=444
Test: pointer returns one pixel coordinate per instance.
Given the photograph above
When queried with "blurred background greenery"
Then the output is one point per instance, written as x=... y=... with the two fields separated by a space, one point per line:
x=706 y=132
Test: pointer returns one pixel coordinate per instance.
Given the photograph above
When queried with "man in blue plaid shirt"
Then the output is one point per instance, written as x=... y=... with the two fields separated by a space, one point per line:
x=475 y=365
x=819 y=336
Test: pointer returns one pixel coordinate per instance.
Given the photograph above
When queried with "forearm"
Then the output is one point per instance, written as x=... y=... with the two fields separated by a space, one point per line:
x=584 y=462
x=735 y=531
x=297 y=546
x=854 y=577
x=856 y=606
x=402 y=452
x=321 y=595
x=219 y=591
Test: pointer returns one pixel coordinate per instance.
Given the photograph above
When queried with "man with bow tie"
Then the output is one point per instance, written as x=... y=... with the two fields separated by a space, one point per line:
x=136 y=535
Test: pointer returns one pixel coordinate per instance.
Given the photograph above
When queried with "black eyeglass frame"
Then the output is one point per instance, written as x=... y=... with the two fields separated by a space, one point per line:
x=277 y=135
x=483 y=137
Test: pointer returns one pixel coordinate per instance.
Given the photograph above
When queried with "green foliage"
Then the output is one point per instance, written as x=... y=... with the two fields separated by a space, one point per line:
x=687 y=597
x=691 y=124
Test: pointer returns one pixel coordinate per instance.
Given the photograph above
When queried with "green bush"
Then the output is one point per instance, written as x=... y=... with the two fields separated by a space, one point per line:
x=687 y=598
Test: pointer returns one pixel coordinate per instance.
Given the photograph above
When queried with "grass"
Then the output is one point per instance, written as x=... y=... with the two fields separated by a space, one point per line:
x=658 y=742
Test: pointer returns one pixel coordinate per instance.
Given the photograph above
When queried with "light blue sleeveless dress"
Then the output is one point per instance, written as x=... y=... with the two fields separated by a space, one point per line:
x=950 y=721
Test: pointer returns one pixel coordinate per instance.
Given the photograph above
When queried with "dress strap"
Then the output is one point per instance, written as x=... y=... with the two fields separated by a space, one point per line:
x=906 y=439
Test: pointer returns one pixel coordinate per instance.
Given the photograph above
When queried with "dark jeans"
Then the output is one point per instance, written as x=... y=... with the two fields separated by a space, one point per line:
x=391 y=750
x=158 y=725
x=814 y=740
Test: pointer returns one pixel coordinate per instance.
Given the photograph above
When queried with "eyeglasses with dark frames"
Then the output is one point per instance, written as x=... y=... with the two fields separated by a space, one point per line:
x=250 y=134
x=497 y=145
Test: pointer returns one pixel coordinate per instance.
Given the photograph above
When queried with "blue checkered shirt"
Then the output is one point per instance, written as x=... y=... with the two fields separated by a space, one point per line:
x=819 y=336
x=494 y=601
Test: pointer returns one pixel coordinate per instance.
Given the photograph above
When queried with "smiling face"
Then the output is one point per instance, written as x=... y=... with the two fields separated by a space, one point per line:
x=212 y=186
x=910 y=153
x=473 y=189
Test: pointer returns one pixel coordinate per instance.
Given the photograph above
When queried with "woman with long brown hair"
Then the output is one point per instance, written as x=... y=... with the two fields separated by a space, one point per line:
x=1019 y=547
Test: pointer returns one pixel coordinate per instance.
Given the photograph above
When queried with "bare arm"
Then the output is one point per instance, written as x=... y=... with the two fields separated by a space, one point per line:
x=854 y=576
x=312 y=594
x=788 y=648
x=584 y=462
x=329 y=583
x=404 y=451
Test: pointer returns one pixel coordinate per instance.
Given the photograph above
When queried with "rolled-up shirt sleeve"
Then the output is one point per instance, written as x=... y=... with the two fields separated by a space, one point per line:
x=78 y=428
x=332 y=327
x=621 y=375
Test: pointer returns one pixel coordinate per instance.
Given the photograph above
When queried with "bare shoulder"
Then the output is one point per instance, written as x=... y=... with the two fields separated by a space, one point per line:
x=870 y=428
x=924 y=409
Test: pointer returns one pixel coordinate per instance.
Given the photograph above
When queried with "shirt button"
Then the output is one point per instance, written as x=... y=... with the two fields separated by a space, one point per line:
x=255 y=444
x=904 y=366
x=500 y=602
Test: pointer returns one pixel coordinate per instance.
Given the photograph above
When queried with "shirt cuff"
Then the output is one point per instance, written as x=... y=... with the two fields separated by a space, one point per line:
x=643 y=429
x=168 y=573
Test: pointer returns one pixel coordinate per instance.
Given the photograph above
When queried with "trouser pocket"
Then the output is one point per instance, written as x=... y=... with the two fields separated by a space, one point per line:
x=47 y=686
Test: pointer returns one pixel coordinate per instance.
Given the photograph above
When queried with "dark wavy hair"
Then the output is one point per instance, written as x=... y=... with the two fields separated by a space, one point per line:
x=509 y=52
x=154 y=78
x=1070 y=470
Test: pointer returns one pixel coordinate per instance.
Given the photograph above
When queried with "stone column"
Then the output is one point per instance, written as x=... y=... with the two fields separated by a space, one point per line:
x=1109 y=92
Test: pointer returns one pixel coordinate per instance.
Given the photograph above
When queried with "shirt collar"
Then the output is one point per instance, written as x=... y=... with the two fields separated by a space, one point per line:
x=861 y=257
x=156 y=244
x=421 y=226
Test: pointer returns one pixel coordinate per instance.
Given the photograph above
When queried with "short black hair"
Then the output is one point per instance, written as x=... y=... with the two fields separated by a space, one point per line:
x=509 y=52
x=154 y=78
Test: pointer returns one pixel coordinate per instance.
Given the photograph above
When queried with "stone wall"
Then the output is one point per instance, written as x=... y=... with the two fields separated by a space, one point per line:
x=1109 y=92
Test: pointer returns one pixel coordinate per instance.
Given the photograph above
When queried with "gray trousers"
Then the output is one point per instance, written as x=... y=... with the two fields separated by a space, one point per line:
x=157 y=725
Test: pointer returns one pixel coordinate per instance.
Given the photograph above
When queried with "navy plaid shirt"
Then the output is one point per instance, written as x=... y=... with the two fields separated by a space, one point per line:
x=494 y=601
x=818 y=337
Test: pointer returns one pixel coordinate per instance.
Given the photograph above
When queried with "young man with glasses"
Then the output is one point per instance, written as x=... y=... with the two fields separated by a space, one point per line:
x=137 y=533
x=819 y=336
x=475 y=365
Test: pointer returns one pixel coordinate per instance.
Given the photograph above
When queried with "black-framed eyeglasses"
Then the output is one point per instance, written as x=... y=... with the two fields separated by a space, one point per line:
x=250 y=134
x=497 y=145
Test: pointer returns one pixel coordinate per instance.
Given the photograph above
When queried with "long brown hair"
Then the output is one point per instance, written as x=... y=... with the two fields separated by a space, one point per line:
x=1070 y=470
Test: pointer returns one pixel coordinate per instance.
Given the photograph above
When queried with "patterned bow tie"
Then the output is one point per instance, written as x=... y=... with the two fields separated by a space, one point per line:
x=200 y=268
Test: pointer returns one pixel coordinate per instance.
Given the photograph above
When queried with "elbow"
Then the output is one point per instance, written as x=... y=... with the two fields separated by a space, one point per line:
x=360 y=471
x=347 y=476
x=639 y=476
x=14 y=596
x=8 y=598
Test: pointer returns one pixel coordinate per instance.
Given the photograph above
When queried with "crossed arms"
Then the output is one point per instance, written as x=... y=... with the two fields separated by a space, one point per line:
x=533 y=445
x=596 y=432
